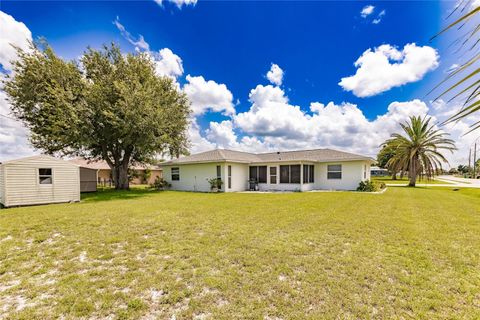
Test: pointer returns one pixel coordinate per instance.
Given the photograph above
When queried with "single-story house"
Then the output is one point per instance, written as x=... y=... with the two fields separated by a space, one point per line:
x=378 y=172
x=104 y=173
x=38 y=180
x=303 y=170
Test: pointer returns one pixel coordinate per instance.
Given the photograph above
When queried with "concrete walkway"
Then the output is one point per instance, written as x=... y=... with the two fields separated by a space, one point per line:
x=454 y=182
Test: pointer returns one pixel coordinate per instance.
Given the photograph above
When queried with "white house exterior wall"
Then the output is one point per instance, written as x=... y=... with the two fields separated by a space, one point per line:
x=21 y=183
x=239 y=177
x=352 y=173
x=2 y=185
x=194 y=177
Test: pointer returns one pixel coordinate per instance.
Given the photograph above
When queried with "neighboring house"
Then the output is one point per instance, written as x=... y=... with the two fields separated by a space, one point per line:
x=38 y=180
x=378 y=172
x=304 y=170
x=104 y=173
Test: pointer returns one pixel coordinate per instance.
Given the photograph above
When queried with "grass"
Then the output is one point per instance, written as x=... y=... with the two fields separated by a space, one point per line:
x=406 y=253
x=404 y=180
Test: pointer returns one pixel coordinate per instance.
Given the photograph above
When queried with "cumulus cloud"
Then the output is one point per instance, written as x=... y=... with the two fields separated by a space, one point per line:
x=12 y=33
x=167 y=63
x=278 y=124
x=139 y=43
x=13 y=135
x=208 y=96
x=275 y=75
x=367 y=10
x=385 y=67
x=178 y=3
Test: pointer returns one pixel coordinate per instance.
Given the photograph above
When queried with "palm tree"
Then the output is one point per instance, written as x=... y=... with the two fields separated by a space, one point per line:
x=418 y=151
x=463 y=82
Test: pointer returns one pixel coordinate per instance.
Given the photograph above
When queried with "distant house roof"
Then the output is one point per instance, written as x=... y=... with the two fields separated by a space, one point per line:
x=222 y=155
x=102 y=165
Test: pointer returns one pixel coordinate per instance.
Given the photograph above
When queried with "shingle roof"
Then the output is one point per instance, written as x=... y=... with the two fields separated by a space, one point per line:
x=222 y=155
x=102 y=165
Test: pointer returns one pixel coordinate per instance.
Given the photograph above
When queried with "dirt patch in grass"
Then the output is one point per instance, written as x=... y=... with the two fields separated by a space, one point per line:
x=407 y=253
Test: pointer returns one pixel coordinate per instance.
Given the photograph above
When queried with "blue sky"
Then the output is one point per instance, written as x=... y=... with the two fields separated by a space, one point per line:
x=233 y=43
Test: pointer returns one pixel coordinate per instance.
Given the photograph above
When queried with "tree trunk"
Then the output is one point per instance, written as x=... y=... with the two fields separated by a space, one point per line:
x=120 y=177
x=394 y=175
x=412 y=172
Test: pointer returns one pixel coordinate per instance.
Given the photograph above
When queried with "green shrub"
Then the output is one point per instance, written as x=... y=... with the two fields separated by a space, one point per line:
x=370 y=186
x=160 y=184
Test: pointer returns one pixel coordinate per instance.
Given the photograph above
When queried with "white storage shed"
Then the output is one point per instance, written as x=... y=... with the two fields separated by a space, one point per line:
x=38 y=180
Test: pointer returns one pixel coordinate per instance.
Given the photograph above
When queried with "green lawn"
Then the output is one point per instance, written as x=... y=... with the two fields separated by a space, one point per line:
x=406 y=253
x=404 y=180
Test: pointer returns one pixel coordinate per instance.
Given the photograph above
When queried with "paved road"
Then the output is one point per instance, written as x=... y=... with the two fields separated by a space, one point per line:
x=453 y=182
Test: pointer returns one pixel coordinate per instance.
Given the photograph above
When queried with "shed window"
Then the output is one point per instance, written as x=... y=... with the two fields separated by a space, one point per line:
x=45 y=176
x=334 y=171
x=175 y=174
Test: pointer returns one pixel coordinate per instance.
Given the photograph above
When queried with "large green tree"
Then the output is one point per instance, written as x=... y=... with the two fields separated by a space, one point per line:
x=419 y=149
x=110 y=106
x=386 y=153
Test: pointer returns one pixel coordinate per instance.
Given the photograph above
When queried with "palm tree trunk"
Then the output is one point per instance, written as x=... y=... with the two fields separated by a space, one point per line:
x=412 y=172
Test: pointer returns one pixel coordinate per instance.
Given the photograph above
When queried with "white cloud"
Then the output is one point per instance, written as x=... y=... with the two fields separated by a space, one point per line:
x=277 y=124
x=12 y=33
x=167 y=63
x=178 y=3
x=379 y=17
x=139 y=43
x=275 y=75
x=386 y=67
x=13 y=135
x=367 y=10
x=208 y=96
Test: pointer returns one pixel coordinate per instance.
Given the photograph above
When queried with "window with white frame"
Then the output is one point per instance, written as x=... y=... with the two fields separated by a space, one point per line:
x=290 y=173
x=273 y=175
x=176 y=174
x=308 y=173
x=334 y=171
x=45 y=176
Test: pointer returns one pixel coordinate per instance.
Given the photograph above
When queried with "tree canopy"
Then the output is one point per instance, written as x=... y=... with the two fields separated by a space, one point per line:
x=109 y=106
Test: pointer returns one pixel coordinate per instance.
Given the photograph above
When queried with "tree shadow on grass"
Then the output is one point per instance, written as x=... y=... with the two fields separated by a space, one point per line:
x=108 y=194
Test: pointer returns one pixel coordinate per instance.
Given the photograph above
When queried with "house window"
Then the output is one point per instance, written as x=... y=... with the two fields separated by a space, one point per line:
x=273 y=175
x=219 y=174
x=290 y=174
x=308 y=173
x=229 y=177
x=175 y=174
x=295 y=174
x=45 y=176
x=365 y=172
x=334 y=171
x=258 y=173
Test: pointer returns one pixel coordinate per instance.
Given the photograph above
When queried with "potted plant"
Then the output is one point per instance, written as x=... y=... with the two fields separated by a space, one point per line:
x=215 y=184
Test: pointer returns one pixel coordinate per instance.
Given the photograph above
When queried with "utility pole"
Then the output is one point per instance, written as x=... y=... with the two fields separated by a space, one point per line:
x=474 y=160
x=469 y=158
